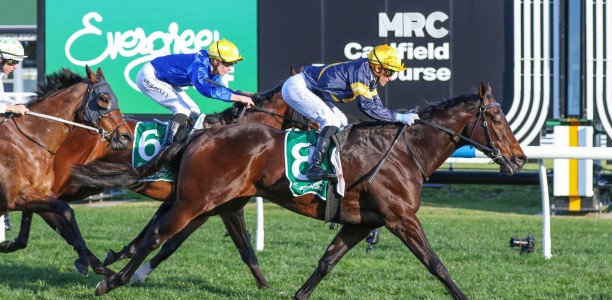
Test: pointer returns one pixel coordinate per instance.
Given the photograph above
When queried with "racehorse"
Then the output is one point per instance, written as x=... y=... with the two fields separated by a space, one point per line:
x=30 y=144
x=82 y=147
x=385 y=193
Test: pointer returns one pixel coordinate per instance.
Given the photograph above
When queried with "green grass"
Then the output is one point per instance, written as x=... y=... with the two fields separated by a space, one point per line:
x=468 y=226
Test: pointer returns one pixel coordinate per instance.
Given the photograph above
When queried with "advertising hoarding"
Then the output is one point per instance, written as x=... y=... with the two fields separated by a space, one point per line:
x=121 y=36
x=447 y=46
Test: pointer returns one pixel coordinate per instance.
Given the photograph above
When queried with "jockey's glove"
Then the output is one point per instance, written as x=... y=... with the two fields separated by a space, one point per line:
x=407 y=118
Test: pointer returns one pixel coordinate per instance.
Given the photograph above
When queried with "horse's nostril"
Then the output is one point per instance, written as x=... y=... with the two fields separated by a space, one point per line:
x=521 y=160
x=127 y=137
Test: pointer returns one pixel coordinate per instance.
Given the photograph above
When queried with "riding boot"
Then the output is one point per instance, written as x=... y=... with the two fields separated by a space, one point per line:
x=323 y=142
x=175 y=126
x=7 y=222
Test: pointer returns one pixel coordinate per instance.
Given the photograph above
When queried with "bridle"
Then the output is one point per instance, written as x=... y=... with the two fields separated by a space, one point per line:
x=491 y=150
x=92 y=112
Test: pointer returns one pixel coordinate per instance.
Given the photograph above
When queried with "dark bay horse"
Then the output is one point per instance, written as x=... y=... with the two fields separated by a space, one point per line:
x=81 y=147
x=30 y=144
x=247 y=160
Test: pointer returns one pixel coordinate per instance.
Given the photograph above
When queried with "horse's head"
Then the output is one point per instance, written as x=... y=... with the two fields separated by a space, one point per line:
x=101 y=110
x=291 y=118
x=491 y=128
x=272 y=110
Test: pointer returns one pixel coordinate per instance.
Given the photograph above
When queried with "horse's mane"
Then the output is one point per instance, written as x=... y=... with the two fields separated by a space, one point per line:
x=53 y=83
x=467 y=99
x=426 y=113
x=262 y=97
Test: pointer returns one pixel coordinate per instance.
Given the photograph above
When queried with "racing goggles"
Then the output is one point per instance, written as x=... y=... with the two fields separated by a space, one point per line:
x=228 y=64
x=388 y=72
x=11 y=62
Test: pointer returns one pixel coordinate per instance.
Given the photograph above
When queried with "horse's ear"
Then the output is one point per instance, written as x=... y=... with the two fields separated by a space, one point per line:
x=483 y=89
x=90 y=74
x=291 y=71
x=99 y=72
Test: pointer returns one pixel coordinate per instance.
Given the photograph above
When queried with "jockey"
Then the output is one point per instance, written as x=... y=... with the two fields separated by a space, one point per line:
x=162 y=79
x=11 y=54
x=314 y=92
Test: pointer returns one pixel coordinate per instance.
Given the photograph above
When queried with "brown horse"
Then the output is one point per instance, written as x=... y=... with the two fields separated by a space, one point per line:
x=81 y=146
x=391 y=198
x=30 y=144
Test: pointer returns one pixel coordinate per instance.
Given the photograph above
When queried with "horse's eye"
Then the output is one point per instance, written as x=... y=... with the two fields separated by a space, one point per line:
x=104 y=101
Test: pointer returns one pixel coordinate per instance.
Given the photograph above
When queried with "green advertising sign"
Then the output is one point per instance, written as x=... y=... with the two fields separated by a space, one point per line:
x=121 y=36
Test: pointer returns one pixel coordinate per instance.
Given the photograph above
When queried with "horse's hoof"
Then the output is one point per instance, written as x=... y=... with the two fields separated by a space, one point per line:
x=5 y=246
x=110 y=258
x=81 y=268
x=102 y=288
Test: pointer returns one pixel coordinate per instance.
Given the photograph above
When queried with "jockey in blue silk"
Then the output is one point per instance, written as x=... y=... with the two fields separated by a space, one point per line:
x=314 y=92
x=162 y=80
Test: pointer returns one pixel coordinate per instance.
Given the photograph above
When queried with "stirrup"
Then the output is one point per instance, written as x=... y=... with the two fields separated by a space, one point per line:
x=319 y=174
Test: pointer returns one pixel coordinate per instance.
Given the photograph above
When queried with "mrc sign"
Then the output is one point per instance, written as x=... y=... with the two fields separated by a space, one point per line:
x=120 y=37
x=428 y=45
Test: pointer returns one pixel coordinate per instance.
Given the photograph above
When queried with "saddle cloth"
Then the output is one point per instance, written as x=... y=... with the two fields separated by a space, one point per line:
x=299 y=146
x=148 y=139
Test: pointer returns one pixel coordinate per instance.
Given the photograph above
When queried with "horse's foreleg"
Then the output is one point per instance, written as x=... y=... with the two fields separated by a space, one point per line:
x=63 y=228
x=169 y=225
x=167 y=249
x=45 y=203
x=21 y=241
x=410 y=231
x=345 y=240
x=236 y=227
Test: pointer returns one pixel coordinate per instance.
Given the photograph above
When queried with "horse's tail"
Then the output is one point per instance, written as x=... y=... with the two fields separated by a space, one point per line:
x=106 y=174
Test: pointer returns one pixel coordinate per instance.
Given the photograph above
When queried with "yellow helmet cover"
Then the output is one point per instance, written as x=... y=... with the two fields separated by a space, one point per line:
x=225 y=51
x=386 y=56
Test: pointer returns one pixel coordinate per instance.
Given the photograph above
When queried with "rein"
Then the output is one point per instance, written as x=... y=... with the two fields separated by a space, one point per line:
x=91 y=88
x=100 y=131
x=491 y=149
x=481 y=111
x=299 y=122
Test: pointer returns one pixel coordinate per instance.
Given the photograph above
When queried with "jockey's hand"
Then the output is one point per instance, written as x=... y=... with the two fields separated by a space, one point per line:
x=243 y=99
x=18 y=109
x=407 y=119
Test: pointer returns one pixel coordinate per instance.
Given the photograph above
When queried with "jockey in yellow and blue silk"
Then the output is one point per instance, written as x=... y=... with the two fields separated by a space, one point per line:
x=314 y=92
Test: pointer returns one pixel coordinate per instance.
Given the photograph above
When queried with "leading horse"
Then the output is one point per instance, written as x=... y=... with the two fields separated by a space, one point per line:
x=81 y=147
x=376 y=195
x=29 y=145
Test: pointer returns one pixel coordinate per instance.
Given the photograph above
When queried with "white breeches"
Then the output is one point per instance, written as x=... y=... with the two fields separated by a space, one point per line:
x=171 y=97
x=298 y=96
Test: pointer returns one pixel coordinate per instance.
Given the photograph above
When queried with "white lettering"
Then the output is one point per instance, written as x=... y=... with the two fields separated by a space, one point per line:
x=385 y=25
x=431 y=22
x=412 y=24
x=135 y=42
